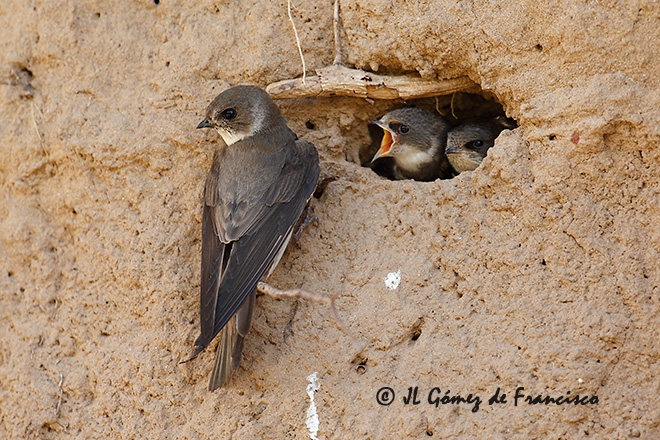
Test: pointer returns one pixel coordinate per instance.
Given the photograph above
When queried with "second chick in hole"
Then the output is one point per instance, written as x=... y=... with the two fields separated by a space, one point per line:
x=468 y=143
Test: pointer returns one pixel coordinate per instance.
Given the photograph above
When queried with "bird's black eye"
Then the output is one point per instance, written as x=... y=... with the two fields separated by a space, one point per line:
x=475 y=144
x=229 y=114
x=404 y=129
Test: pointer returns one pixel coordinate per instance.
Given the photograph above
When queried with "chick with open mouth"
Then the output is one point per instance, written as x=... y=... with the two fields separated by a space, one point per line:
x=415 y=139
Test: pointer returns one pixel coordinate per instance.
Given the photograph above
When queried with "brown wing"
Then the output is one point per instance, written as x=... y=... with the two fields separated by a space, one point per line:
x=231 y=270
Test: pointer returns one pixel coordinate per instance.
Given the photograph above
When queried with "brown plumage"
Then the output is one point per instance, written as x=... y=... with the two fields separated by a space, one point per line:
x=258 y=185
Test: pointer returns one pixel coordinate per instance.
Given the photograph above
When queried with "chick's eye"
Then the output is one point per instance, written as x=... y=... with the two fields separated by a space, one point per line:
x=404 y=129
x=229 y=114
x=478 y=144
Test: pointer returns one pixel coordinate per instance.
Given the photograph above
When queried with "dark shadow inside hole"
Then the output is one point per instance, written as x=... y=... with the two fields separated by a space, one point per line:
x=22 y=76
x=457 y=109
x=27 y=72
x=360 y=363
x=416 y=330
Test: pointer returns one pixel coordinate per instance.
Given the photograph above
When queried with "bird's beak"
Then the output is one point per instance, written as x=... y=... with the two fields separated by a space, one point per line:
x=205 y=124
x=389 y=139
x=454 y=148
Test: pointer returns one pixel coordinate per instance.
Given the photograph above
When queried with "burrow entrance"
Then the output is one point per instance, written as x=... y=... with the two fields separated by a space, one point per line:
x=456 y=109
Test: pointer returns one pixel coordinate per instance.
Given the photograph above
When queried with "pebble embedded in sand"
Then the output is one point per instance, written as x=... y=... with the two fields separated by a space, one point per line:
x=392 y=280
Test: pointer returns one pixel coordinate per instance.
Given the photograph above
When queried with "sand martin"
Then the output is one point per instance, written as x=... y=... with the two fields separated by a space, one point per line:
x=415 y=139
x=468 y=143
x=258 y=185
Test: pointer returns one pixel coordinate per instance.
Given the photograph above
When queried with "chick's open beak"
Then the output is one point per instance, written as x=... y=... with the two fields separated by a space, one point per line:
x=389 y=139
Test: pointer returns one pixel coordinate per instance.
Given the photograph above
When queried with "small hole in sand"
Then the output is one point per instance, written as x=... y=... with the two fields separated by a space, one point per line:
x=359 y=359
x=416 y=330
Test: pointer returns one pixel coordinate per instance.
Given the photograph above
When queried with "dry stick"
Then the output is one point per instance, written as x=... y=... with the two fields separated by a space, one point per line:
x=37 y=120
x=310 y=296
x=299 y=293
x=295 y=32
x=338 y=80
x=59 y=399
x=339 y=58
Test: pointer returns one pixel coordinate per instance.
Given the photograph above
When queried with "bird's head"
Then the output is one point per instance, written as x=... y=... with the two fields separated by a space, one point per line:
x=469 y=137
x=241 y=112
x=410 y=132
x=468 y=144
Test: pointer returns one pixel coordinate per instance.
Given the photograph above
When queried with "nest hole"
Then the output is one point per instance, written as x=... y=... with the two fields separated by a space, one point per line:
x=456 y=109
x=416 y=330
x=359 y=359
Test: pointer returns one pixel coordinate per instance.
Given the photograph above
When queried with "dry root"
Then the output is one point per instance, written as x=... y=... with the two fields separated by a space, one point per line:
x=309 y=296
x=337 y=80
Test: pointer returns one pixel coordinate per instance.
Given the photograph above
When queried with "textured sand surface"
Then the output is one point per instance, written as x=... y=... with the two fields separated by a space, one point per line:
x=537 y=270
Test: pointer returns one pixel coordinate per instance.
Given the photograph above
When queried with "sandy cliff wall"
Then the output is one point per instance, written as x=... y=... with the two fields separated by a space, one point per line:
x=538 y=270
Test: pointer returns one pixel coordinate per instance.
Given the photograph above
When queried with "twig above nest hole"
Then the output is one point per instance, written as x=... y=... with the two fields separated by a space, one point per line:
x=337 y=80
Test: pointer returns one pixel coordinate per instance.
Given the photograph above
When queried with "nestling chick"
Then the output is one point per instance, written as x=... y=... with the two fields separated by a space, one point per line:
x=415 y=139
x=468 y=143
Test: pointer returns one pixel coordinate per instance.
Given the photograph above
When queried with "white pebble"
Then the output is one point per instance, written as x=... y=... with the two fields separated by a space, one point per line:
x=392 y=280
